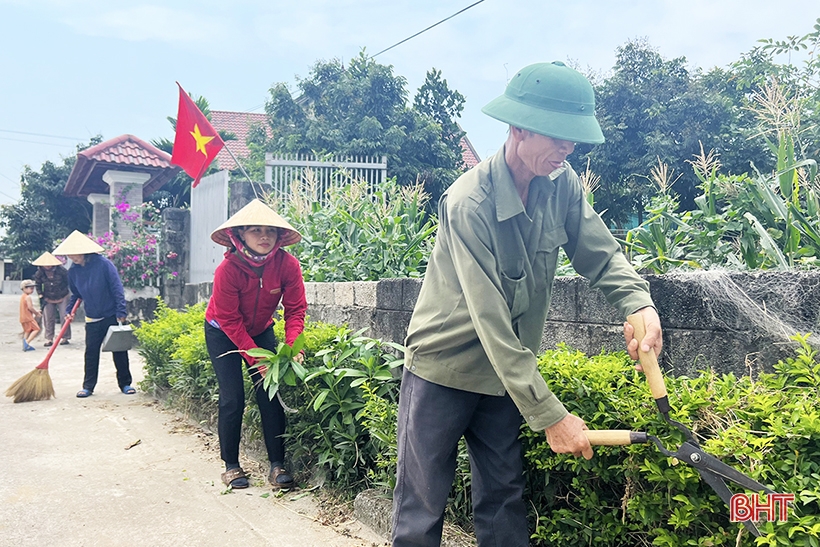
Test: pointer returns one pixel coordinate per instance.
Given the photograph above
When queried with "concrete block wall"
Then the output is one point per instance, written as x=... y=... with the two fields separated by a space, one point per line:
x=696 y=336
x=698 y=332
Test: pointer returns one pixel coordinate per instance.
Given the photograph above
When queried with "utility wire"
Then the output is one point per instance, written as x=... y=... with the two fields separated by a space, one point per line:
x=62 y=145
x=39 y=135
x=425 y=30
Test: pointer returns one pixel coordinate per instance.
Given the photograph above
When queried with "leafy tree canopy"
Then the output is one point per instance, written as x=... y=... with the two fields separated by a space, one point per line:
x=363 y=110
x=43 y=213
x=655 y=110
x=650 y=109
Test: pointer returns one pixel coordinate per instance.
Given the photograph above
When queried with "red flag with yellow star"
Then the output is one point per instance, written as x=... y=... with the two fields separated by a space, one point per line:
x=196 y=143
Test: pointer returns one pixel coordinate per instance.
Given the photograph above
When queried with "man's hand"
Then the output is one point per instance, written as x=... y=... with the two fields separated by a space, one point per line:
x=121 y=320
x=567 y=437
x=652 y=340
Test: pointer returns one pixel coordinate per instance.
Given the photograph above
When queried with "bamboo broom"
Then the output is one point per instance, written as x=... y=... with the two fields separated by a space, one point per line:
x=36 y=385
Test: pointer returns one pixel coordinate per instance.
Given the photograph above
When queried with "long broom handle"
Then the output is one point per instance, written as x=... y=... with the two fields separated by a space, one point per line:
x=67 y=322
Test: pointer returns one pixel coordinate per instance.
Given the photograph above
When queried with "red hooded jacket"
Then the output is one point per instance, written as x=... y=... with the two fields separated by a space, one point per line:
x=243 y=303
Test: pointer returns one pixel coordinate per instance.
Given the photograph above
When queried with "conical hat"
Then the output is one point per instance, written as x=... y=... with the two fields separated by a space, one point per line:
x=257 y=213
x=77 y=244
x=47 y=259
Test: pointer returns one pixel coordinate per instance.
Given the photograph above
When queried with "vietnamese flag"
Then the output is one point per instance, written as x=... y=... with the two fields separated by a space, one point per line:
x=196 y=143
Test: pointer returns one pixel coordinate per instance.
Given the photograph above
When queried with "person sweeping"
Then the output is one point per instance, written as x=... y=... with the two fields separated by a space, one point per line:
x=94 y=279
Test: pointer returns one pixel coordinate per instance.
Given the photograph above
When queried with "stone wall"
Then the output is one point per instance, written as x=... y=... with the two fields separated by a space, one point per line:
x=176 y=239
x=698 y=332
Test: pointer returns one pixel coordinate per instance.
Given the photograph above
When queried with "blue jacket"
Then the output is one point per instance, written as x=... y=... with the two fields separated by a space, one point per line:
x=98 y=284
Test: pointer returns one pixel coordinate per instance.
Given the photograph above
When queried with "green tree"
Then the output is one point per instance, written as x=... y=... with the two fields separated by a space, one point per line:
x=363 y=110
x=43 y=213
x=651 y=109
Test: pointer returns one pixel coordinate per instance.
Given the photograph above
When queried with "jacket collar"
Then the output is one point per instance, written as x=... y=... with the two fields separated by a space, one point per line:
x=238 y=259
x=507 y=201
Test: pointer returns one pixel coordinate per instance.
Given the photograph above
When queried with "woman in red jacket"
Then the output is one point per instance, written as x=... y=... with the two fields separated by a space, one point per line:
x=255 y=276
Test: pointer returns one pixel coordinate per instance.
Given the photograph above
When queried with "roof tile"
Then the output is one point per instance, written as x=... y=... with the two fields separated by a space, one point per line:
x=238 y=123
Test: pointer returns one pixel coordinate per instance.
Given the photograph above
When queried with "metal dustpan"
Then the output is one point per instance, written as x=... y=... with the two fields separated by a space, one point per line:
x=119 y=338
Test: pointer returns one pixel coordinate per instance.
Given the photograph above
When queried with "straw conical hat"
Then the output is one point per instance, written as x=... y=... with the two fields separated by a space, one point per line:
x=77 y=244
x=257 y=213
x=47 y=259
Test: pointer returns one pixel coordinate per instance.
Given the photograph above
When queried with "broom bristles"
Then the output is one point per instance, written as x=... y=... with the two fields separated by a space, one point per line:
x=34 y=386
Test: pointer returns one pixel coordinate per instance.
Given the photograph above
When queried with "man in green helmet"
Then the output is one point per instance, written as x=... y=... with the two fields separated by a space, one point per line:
x=470 y=367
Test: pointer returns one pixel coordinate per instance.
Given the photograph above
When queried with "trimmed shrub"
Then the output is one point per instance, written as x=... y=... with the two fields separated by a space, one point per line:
x=768 y=428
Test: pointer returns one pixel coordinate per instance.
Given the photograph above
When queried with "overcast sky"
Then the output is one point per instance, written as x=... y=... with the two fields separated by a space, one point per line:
x=72 y=69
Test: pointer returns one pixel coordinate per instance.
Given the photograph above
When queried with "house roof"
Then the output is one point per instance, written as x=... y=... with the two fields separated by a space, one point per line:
x=124 y=153
x=468 y=153
x=238 y=123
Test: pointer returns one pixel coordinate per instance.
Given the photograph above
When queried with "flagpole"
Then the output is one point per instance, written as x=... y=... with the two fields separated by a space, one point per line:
x=243 y=171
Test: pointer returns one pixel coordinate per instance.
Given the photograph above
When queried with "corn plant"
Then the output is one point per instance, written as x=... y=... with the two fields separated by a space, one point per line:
x=746 y=221
x=359 y=236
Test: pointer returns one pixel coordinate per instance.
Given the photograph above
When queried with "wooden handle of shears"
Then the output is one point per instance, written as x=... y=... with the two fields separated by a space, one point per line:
x=615 y=437
x=649 y=363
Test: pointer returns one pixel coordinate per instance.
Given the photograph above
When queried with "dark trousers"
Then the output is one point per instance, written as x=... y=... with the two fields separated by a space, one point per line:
x=432 y=419
x=228 y=369
x=94 y=335
x=51 y=314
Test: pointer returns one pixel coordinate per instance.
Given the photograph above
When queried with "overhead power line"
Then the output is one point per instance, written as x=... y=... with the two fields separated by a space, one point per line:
x=62 y=145
x=39 y=135
x=428 y=28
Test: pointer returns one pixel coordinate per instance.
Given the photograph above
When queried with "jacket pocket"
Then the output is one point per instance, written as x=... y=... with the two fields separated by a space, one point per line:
x=546 y=257
x=516 y=294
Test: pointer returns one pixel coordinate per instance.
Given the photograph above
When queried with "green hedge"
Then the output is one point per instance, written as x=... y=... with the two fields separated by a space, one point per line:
x=625 y=496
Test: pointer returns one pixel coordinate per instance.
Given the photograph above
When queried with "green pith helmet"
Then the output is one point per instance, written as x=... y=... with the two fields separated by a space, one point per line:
x=550 y=99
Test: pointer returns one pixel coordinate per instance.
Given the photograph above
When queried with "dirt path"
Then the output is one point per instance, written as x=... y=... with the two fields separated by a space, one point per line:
x=116 y=470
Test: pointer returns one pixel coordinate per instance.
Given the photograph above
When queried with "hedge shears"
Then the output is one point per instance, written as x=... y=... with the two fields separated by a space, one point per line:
x=713 y=471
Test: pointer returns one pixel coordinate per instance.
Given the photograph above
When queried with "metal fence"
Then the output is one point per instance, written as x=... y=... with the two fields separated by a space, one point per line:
x=318 y=176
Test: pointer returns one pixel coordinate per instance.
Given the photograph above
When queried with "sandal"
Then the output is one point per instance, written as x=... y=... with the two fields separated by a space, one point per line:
x=128 y=390
x=235 y=478
x=280 y=478
x=83 y=393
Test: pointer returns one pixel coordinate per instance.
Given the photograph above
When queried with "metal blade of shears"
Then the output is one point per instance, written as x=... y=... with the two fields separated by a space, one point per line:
x=720 y=488
x=694 y=456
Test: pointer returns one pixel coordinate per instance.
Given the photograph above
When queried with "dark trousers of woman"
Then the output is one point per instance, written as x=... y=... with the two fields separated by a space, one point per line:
x=228 y=369
x=432 y=419
x=51 y=314
x=94 y=335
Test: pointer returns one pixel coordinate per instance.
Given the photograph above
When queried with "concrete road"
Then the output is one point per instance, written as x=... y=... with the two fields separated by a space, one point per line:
x=117 y=470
